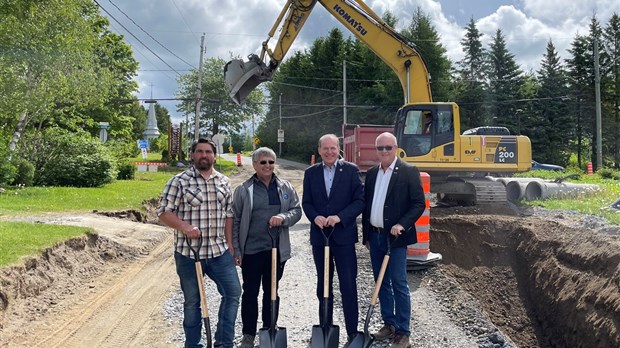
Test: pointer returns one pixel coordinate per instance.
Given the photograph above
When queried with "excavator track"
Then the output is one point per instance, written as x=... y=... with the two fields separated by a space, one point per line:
x=469 y=191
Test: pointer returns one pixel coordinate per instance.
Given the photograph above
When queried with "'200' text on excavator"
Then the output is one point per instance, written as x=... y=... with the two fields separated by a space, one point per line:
x=456 y=163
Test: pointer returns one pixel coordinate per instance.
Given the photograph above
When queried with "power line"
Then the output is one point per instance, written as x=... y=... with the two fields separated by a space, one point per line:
x=184 y=21
x=135 y=37
x=151 y=36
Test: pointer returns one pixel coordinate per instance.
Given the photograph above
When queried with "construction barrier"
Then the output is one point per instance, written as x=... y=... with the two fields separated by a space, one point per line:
x=238 y=159
x=419 y=254
x=312 y=160
x=590 y=171
x=149 y=166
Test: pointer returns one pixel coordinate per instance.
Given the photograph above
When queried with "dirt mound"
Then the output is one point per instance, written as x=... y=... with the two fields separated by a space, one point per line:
x=69 y=263
x=544 y=283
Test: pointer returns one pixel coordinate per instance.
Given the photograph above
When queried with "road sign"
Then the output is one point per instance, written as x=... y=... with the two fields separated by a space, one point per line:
x=280 y=135
x=256 y=140
x=143 y=144
x=218 y=139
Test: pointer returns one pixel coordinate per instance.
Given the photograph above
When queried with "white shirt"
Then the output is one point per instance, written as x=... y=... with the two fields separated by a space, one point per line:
x=378 y=200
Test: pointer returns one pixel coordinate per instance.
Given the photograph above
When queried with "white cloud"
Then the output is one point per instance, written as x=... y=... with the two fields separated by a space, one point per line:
x=240 y=26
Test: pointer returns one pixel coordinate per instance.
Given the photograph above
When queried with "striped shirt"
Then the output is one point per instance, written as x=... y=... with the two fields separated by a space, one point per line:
x=203 y=203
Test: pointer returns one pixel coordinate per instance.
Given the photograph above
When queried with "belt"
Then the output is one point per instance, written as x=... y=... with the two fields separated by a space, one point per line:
x=376 y=229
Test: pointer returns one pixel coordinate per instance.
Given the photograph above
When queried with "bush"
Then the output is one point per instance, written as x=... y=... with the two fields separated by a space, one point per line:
x=77 y=160
x=126 y=171
x=608 y=173
x=25 y=172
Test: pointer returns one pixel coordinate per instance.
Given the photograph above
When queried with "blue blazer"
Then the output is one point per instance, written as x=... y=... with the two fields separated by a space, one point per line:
x=345 y=200
x=404 y=202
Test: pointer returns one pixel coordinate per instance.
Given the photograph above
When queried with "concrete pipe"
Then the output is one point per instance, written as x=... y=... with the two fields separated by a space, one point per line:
x=543 y=190
x=515 y=190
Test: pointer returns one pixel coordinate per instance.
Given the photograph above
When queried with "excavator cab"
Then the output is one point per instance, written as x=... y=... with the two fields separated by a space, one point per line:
x=241 y=77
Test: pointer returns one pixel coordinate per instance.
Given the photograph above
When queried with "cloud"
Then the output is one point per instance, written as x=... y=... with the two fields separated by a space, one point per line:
x=239 y=27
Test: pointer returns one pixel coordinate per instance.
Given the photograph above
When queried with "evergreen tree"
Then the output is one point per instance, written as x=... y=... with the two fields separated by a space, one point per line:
x=470 y=83
x=505 y=83
x=424 y=36
x=610 y=72
x=550 y=124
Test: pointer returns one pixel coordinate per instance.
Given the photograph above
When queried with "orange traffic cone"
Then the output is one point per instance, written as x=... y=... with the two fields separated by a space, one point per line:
x=590 y=168
x=238 y=159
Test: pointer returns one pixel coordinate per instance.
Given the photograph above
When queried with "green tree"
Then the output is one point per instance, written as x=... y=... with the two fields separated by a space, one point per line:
x=218 y=111
x=551 y=122
x=470 y=84
x=424 y=35
x=505 y=83
x=610 y=72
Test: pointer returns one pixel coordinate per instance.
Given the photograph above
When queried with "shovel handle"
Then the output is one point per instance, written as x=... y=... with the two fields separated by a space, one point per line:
x=274 y=274
x=326 y=273
x=375 y=293
x=201 y=288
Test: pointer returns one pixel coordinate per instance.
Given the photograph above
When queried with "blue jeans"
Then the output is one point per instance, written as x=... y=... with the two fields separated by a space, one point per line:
x=394 y=294
x=223 y=272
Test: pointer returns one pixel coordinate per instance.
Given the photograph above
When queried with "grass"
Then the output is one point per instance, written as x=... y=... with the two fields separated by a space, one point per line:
x=19 y=239
x=595 y=204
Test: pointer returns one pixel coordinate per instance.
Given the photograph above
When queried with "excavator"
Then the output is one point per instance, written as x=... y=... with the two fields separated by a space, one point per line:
x=428 y=133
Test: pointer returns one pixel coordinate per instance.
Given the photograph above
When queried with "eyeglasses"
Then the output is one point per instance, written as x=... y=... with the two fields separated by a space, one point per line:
x=265 y=162
x=386 y=147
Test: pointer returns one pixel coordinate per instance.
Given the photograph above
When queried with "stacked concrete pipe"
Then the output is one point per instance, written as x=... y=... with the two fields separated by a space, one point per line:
x=543 y=190
x=516 y=187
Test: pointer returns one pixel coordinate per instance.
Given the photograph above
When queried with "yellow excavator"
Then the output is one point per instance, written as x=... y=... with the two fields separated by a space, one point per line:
x=428 y=133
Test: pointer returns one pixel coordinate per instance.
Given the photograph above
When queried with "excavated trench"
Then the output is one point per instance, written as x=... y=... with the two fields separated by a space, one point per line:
x=543 y=283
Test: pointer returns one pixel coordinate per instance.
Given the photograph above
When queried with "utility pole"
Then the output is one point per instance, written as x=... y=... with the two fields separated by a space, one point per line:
x=199 y=90
x=599 y=123
x=279 y=142
x=344 y=92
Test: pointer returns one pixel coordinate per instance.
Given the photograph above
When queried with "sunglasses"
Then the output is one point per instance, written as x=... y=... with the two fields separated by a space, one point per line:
x=386 y=148
x=265 y=162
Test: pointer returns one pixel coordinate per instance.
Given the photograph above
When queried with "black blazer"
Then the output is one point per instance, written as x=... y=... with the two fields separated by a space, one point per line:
x=404 y=202
x=345 y=200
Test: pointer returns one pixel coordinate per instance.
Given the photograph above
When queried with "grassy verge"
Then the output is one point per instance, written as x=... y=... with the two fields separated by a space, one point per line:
x=594 y=204
x=21 y=239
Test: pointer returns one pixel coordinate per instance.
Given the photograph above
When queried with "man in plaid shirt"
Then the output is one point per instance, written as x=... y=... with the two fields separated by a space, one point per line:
x=198 y=202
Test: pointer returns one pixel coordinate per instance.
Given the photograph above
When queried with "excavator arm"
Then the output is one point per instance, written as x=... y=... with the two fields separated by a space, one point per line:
x=394 y=49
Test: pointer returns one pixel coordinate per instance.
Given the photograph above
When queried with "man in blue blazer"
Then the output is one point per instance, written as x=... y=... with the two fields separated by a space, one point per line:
x=332 y=199
x=394 y=202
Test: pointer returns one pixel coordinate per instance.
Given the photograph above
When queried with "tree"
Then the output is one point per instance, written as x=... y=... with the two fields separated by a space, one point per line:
x=470 y=84
x=423 y=34
x=551 y=123
x=505 y=83
x=218 y=111
x=611 y=86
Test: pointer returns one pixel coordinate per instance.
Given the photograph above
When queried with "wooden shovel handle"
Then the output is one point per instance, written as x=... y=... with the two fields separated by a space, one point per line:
x=274 y=274
x=375 y=294
x=326 y=273
x=201 y=288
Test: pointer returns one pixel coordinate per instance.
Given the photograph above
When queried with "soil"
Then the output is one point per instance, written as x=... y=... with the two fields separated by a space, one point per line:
x=509 y=277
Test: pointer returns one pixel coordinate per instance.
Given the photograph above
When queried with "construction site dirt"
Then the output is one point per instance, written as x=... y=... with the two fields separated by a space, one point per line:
x=510 y=277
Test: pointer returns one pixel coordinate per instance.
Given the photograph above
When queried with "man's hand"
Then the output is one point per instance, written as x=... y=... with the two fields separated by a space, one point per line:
x=238 y=261
x=320 y=221
x=192 y=232
x=276 y=221
x=332 y=220
x=397 y=230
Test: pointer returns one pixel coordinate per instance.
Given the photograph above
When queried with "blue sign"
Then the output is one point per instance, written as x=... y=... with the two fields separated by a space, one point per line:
x=143 y=144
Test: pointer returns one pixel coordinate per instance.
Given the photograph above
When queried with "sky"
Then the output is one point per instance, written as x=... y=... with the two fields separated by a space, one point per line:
x=165 y=34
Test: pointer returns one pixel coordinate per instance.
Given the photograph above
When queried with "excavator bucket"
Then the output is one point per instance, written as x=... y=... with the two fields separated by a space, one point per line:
x=242 y=77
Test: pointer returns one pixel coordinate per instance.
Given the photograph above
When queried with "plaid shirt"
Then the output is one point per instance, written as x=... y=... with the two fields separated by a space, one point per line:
x=204 y=203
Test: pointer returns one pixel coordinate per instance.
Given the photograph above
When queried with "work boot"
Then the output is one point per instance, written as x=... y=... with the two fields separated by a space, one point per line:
x=387 y=331
x=247 y=341
x=400 y=341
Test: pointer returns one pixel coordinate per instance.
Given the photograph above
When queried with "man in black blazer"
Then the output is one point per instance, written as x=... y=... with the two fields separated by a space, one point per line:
x=394 y=201
x=332 y=199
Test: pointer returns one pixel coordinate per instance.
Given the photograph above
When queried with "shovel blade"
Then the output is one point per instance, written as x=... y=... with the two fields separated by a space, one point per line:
x=276 y=338
x=361 y=340
x=325 y=337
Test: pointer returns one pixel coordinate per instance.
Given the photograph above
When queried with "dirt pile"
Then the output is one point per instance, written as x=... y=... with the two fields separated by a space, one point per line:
x=543 y=282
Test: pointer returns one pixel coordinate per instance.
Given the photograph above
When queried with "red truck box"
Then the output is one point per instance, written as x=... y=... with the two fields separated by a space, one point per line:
x=359 y=143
